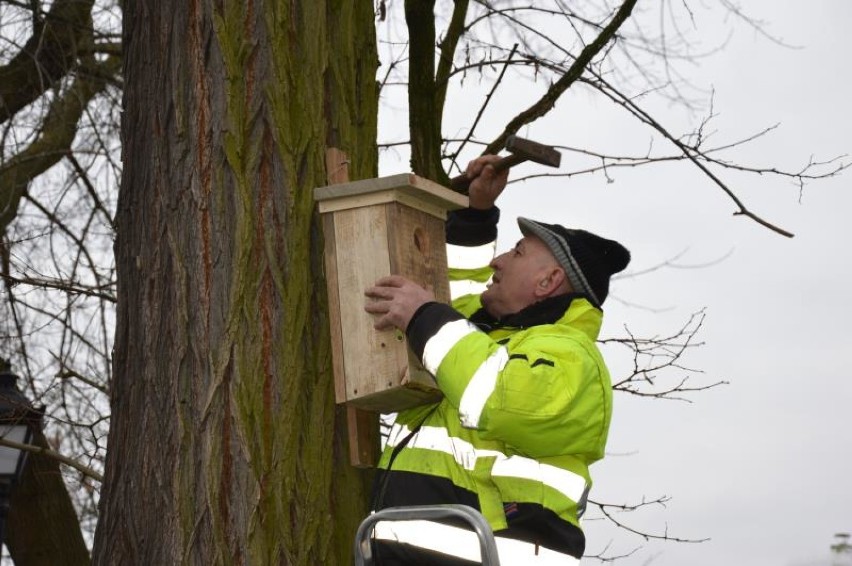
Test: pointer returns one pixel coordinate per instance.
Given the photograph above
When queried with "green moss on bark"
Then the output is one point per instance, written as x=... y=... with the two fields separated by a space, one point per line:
x=224 y=313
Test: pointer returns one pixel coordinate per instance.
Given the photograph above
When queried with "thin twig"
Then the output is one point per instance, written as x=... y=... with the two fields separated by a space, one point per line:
x=85 y=470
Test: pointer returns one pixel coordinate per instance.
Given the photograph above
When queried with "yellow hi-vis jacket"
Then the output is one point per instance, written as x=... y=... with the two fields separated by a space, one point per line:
x=526 y=409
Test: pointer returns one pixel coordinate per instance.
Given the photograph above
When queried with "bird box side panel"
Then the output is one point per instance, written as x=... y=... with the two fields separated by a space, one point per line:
x=417 y=245
x=330 y=261
x=418 y=251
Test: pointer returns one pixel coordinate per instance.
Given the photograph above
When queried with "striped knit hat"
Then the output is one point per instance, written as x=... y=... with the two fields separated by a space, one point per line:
x=588 y=259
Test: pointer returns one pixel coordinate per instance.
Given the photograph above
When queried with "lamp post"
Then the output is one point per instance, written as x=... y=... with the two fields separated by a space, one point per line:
x=18 y=419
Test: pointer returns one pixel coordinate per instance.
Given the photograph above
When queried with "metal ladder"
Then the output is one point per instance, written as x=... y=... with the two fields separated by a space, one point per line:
x=487 y=545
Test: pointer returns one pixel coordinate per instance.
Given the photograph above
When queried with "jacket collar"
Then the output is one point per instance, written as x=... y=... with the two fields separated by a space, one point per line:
x=573 y=309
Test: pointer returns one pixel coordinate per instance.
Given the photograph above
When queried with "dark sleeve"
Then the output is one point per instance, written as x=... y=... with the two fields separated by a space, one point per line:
x=472 y=227
x=427 y=320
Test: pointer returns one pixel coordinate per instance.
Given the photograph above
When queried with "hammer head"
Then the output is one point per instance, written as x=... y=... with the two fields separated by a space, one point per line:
x=533 y=151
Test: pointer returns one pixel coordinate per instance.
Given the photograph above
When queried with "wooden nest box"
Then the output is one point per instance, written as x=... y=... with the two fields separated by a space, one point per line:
x=373 y=228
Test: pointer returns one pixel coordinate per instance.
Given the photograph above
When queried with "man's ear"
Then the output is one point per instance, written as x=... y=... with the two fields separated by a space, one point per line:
x=552 y=283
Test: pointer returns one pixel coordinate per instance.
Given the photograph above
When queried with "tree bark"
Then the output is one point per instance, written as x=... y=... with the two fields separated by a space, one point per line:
x=225 y=445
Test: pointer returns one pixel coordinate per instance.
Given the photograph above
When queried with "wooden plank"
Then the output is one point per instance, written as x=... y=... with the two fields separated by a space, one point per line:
x=406 y=183
x=345 y=202
x=362 y=426
x=370 y=356
x=334 y=309
x=418 y=251
x=373 y=228
x=336 y=166
x=337 y=171
x=418 y=248
x=382 y=197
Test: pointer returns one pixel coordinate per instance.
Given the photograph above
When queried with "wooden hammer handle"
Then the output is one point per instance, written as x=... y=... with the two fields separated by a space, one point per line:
x=461 y=183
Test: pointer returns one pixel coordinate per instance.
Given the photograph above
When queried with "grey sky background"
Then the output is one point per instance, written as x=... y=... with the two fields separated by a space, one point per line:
x=761 y=466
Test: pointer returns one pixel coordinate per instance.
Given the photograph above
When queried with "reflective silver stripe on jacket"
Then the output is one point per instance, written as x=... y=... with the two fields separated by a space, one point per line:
x=440 y=343
x=481 y=387
x=566 y=482
x=466 y=287
x=484 y=379
x=470 y=257
x=464 y=544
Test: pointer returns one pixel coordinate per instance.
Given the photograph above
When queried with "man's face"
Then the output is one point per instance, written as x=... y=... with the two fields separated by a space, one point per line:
x=517 y=274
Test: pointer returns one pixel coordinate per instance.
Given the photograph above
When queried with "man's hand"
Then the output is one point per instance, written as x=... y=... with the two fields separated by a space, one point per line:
x=487 y=184
x=396 y=299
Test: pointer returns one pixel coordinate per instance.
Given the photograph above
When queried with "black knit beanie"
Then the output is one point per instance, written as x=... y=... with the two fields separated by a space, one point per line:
x=588 y=260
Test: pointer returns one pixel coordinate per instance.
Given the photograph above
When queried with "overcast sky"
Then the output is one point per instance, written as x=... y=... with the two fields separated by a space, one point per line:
x=762 y=467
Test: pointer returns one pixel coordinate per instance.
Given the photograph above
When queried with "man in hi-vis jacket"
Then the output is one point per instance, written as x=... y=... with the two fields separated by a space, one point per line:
x=527 y=397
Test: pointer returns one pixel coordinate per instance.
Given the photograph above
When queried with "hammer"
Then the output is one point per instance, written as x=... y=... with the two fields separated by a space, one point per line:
x=521 y=150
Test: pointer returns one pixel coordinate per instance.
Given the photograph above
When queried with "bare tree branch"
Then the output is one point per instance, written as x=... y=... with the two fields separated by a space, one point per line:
x=482 y=108
x=690 y=152
x=64 y=286
x=654 y=355
x=548 y=100
x=70 y=462
x=48 y=55
x=609 y=510
x=54 y=141
x=447 y=49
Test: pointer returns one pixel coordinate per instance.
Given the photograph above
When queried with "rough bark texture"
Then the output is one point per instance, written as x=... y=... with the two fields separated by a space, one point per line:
x=225 y=445
x=42 y=528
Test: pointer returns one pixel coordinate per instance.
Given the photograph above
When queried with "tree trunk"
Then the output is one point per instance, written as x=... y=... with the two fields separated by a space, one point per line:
x=225 y=446
x=424 y=107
